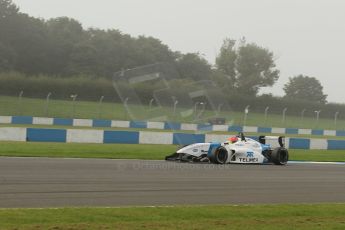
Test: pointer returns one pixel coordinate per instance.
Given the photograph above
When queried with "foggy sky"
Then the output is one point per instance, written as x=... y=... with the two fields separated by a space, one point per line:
x=306 y=36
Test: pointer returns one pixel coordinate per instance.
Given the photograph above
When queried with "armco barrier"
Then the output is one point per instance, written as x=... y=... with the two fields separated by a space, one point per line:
x=142 y=137
x=163 y=125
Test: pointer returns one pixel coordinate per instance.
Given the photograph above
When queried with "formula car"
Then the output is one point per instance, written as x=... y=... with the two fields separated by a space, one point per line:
x=236 y=149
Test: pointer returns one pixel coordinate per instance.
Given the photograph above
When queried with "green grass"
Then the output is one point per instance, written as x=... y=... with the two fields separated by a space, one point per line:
x=301 y=216
x=130 y=151
x=76 y=150
x=64 y=109
x=317 y=155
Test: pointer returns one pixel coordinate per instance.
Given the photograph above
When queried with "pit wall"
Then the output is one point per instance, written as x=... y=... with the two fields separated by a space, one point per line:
x=27 y=120
x=142 y=137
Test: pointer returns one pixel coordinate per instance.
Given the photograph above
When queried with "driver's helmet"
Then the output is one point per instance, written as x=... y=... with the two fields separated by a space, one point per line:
x=233 y=139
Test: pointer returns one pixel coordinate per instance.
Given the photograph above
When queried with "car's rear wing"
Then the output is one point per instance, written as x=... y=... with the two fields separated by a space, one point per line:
x=272 y=140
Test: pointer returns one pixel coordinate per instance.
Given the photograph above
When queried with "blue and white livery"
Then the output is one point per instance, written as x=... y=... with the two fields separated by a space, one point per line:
x=236 y=149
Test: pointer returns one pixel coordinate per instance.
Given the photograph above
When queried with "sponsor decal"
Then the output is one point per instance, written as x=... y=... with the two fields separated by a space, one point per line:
x=250 y=154
x=248 y=160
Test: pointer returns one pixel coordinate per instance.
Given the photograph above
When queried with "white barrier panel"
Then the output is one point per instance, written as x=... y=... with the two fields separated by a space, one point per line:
x=12 y=134
x=84 y=136
x=155 y=125
x=318 y=144
x=250 y=129
x=155 y=138
x=329 y=133
x=82 y=122
x=42 y=121
x=274 y=143
x=278 y=130
x=287 y=142
x=216 y=137
x=304 y=131
x=5 y=119
x=221 y=128
x=120 y=124
x=185 y=126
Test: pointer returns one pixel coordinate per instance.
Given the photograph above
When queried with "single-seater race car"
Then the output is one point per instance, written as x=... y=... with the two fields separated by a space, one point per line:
x=236 y=149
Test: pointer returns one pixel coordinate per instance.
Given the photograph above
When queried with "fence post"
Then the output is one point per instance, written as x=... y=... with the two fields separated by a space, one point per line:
x=246 y=111
x=266 y=111
x=335 y=119
x=126 y=107
x=19 y=105
x=100 y=107
x=74 y=97
x=317 y=117
x=219 y=108
x=47 y=104
x=302 y=114
x=174 y=111
x=284 y=113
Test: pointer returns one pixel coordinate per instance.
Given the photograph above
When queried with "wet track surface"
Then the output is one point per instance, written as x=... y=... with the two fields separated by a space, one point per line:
x=47 y=182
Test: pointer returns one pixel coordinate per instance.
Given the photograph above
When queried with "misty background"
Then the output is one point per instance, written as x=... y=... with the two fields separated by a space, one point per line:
x=306 y=36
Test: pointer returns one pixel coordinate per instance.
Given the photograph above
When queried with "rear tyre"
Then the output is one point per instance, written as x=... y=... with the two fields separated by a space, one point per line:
x=219 y=155
x=280 y=156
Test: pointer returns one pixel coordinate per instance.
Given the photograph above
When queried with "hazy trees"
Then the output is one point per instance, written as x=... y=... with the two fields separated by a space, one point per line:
x=226 y=60
x=60 y=46
x=194 y=66
x=24 y=38
x=63 y=35
x=247 y=66
x=7 y=57
x=7 y=9
x=305 y=88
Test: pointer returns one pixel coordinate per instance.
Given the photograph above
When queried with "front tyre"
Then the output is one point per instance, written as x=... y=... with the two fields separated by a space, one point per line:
x=280 y=156
x=219 y=155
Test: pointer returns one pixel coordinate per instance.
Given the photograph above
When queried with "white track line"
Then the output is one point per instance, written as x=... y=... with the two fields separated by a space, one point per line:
x=316 y=162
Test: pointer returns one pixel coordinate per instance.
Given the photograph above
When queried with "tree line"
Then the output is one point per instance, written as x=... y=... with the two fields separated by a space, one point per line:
x=60 y=48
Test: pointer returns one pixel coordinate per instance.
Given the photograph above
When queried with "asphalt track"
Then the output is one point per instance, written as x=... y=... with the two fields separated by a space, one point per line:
x=47 y=182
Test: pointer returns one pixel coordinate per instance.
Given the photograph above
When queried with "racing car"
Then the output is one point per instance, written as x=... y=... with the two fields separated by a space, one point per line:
x=236 y=149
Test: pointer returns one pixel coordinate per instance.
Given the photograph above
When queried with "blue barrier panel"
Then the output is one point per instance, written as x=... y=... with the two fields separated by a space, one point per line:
x=291 y=131
x=138 y=124
x=336 y=144
x=299 y=143
x=63 y=121
x=101 y=123
x=341 y=133
x=264 y=130
x=46 y=135
x=172 y=126
x=205 y=127
x=124 y=137
x=235 y=129
x=317 y=132
x=22 y=120
x=186 y=138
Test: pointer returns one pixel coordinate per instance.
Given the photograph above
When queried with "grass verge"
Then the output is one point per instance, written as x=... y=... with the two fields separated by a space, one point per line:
x=301 y=216
x=86 y=109
x=76 y=150
x=130 y=151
